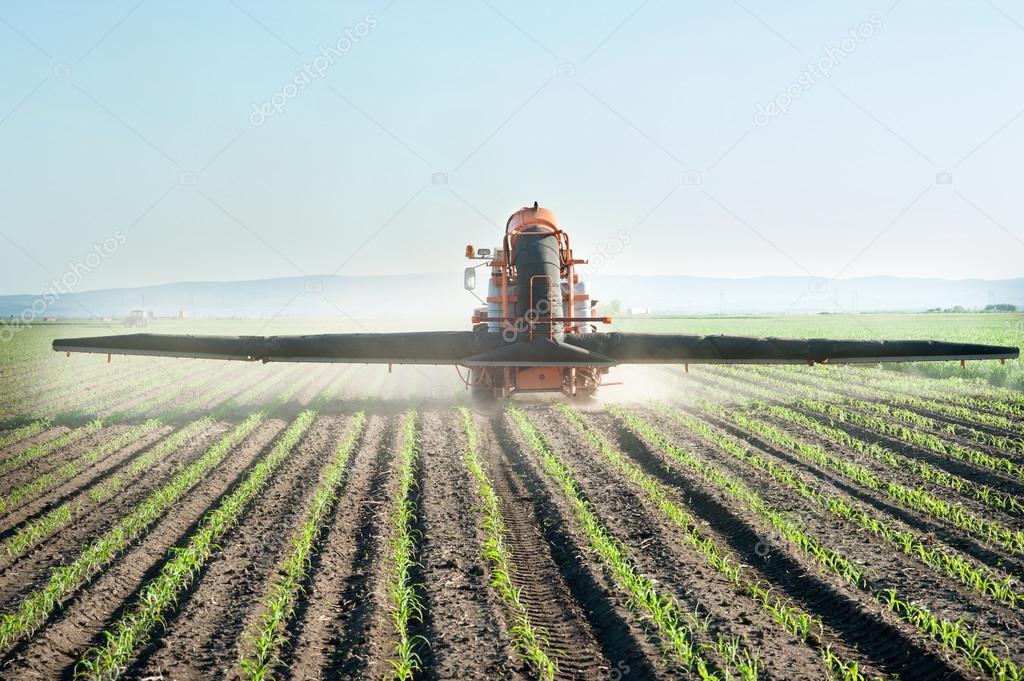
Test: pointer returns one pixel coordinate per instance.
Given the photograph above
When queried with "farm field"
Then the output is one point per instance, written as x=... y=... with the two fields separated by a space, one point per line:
x=192 y=519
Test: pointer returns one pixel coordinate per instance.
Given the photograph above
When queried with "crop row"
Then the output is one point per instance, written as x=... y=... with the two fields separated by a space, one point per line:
x=527 y=639
x=269 y=637
x=984 y=493
x=38 y=529
x=63 y=386
x=904 y=409
x=67 y=579
x=955 y=637
x=160 y=596
x=899 y=413
x=17 y=433
x=73 y=467
x=899 y=390
x=22 y=432
x=662 y=610
x=35 y=531
x=793 y=620
x=941 y=558
x=85 y=395
x=89 y=402
x=406 y=601
x=972 y=395
x=832 y=560
x=917 y=438
x=41 y=449
x=59 y=516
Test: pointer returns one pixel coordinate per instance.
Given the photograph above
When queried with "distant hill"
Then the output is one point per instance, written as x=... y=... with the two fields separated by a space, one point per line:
x=774 y=295
x=442 y=296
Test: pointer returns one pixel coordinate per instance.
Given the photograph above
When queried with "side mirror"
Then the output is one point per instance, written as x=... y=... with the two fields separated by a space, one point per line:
x=469 y=278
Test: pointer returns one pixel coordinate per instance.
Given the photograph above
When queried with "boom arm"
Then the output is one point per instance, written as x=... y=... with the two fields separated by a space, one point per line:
x=649 y=348
x=445 y=347
x=480 y=349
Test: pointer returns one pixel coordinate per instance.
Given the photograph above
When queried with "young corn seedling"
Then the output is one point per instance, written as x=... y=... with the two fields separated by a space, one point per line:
x=973 y=651
x=406 y=605
x=41 y=449
x=159 y=597
x=916 y=499
x=527 y=639
x=790 y=618
x=267 y=640
x=679 y=638
x=941 y=558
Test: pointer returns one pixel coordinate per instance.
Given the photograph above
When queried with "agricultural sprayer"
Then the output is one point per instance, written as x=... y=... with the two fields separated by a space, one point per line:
x=538 y=332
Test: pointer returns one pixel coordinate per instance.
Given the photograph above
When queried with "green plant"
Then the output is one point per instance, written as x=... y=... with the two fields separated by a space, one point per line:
x=160 y=595
x=266 y=641
x=405 y=597
x=941 y=558
x=66 y=579
x=679 y=638
x=954 y=636
x=527 y=639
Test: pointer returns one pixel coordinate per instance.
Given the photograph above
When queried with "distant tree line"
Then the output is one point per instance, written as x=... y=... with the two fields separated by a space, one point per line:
x=998 y=307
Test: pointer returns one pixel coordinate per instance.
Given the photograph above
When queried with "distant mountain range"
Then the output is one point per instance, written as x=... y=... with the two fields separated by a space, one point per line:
x=442 y=296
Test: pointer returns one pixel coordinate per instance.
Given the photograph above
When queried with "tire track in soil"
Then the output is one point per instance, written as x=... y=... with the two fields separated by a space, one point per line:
x=59 y=643
x=462 y=622
x=201 y=639
x=335 y=606
x=856 y=619
x=588 y=635
x=660 y=552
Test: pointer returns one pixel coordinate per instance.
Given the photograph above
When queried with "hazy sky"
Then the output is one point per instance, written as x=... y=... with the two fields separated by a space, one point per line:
x=214 y=140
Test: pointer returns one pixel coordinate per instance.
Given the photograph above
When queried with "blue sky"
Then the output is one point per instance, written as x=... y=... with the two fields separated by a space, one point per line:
x=137 y=118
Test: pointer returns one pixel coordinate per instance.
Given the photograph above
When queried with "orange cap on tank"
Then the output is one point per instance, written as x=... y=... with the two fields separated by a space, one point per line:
x=529 y=216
